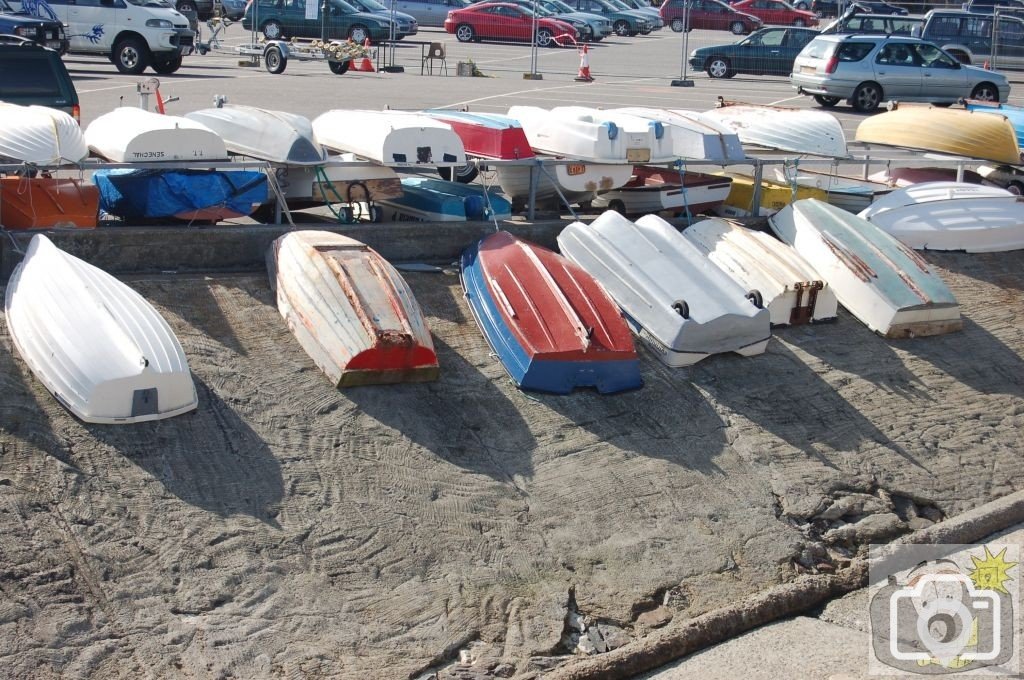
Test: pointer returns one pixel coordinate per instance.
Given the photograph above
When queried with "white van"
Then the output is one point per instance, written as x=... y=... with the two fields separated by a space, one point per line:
x=133 y=33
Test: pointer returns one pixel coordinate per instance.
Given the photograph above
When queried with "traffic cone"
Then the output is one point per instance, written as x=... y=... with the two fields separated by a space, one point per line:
x=584 y=74
x=986 y=65
x=364 y=64
x=159 y=102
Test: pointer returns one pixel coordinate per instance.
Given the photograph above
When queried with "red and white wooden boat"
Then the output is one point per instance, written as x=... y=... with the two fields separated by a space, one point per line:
x=350 y=310
x=553 y=327
x=653 y=188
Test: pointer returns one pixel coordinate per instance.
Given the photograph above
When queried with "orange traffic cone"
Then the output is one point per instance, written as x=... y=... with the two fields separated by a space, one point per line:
x=584 y=75
x=159 y=102
x=364 y=64
x=986 y=65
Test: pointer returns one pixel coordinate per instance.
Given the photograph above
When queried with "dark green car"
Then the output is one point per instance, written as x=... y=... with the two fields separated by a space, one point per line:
x=768 y=51
x=278 y=19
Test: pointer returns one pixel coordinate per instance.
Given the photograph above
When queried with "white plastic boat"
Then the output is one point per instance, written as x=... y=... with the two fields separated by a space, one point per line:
x=575 y=181
x=881 y=281
x=674 y=297
x=791 y=290
x=848 y=193
x=952 y=216
x=97 y=345
x=350 y=310
x=653 y=189
x=40 y=135
x=129 y=135
x=275 y=136
x=796 y=130
x=398 y=138
x=595 y=135
x=342 y=179
x=694 y=135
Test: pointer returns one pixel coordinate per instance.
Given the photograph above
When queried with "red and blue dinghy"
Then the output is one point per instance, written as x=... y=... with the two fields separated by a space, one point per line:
x=551 y=324
x=491 y=135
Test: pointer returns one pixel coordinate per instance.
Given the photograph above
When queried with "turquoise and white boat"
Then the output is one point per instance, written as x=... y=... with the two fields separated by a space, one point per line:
x=883 y=282
x=436 y=200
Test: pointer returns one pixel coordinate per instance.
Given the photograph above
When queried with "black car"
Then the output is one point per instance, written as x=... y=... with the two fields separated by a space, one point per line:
x=46 y=32
x=33 y=74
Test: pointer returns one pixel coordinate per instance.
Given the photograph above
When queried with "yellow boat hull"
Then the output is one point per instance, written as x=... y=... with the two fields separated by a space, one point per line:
x=774 y=196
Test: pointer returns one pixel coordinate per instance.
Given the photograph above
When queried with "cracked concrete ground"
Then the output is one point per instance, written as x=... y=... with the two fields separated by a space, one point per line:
x=290 y=529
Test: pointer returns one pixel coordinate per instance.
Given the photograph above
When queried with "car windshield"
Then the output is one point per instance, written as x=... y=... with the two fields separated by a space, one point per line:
x=557 y=6
x=372 y=6
x=151 y=3
x=344 y=7
x=618 y=4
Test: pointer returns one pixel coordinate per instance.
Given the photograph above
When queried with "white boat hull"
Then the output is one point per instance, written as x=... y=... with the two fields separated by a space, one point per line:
x=952 y=216
x=679 y=302
x=879 y=280
x=40 y=135
x=396 y=138
x=130 y=135
x=848 y=193
x=578 y=181
x=351 y=182
x=694 y=135
x=796 y=130
x=97 y=345
x=791 y=291
x=695 y=197
x=274 y=136
x=595 y=135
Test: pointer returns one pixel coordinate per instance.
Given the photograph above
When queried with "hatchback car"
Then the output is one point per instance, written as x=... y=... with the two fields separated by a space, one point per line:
x=287 y=18
x=505 y=21
x=769 y=51
x=33 y=74
x=624 y=22
x=866 y=70
x=707 y=14
x=591 y=27
x=777 y=12
x=876 y=23
x=46 y=32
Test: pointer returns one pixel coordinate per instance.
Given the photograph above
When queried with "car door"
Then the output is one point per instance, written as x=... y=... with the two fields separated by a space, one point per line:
x=1009 y=44
x=941 y=75
x=515 y=23
x=92 y=24
x=753 y=54
x=897 y=70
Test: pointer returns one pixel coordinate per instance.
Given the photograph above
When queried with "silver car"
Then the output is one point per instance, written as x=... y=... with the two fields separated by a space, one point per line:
x=427 y=12
x=865 y=70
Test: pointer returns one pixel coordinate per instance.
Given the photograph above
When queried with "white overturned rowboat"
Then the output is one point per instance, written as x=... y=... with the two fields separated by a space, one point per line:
x=952 y=216
x=40 y=135
x=575 y=181
x=274 y=136
x=350 y=310
x=881 y=281
x=791 y=291
x=848 y=193
x=674 y=297
x=594 y=135
x=97 y=345
x=694 y=135
x=129 y=134
x=796 y=130
x=397 y=138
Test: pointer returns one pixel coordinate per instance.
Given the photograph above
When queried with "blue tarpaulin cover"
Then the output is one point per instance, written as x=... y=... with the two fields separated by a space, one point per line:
x=170 y=193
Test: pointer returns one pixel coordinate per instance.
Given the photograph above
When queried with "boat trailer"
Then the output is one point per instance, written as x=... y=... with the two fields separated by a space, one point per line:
x=275 y=53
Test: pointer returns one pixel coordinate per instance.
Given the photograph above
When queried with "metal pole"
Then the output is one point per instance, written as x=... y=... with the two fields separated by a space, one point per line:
x=389 y=64
x=683 y=80
x=533 y=75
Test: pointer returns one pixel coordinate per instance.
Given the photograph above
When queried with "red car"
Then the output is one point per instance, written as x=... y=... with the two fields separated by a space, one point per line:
x=777 y=12
x=505 y=21
x=707 y=14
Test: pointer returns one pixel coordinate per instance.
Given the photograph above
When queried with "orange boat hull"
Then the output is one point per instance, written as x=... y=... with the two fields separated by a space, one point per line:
x=46 y=202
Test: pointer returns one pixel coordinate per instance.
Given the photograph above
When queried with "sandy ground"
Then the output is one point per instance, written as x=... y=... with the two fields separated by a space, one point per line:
x=287 y=529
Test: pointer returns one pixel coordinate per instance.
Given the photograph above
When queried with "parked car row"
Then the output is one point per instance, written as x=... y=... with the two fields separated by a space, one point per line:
x=357 y=20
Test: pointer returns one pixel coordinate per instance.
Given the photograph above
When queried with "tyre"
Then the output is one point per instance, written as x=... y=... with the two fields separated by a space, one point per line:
x=545 y=38
x=131 y=56
x=376 y=214
x=681 y=308
x=465 y=33
x=678 y=25
x=755 y=298
x=167 y=65
x=718 y=67
x=187 y=7
x=618 y=206
x=867 y=97
x=826 y=101
x=338 y=67
x=799 y=23
x=272 y=30
x=1016 y=188
x=464 y=174
x=359 y=34
x=986 y=92
x=274 y=60
x=737 y=28
x=621 y=28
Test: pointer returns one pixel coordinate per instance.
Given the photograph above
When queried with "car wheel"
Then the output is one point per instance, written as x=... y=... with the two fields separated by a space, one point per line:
x=272 y=30
x=621 y=28
x=544 y=38
x=737 y=28
x=1015 y=188
x=678 y=25
x=274 y=60
x=799 y=23
x=338 y=67
x=167 y=64
x=826 y=101
x=131 y=56
x=187 y=7
x=718 y=67
x=462 y=174
x=464 y=33
x=359 y=34
x=867 y=97
x=587 y=34
x=986 y=92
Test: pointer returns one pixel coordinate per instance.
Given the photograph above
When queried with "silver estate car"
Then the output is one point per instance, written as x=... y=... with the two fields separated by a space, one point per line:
x=865 y=70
